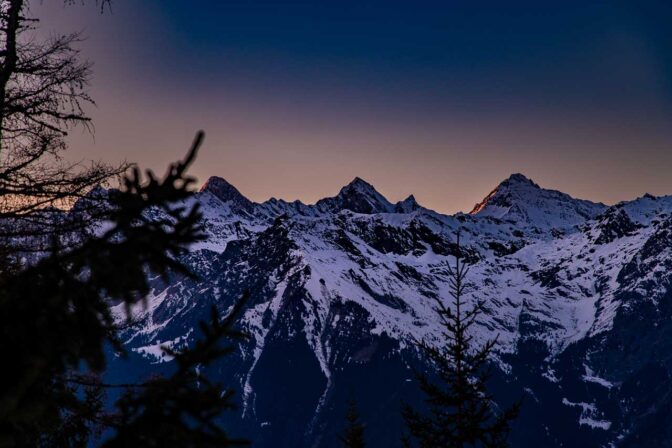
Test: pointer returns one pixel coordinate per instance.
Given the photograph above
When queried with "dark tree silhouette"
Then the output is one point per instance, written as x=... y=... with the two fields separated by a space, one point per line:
x=181 y=410
x=59 y=273
x=43 y=92
x=353 y=436
x=55 y=322
x=461 y=411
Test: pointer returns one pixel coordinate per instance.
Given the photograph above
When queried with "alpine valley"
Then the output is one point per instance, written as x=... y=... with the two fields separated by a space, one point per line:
x=577 y=294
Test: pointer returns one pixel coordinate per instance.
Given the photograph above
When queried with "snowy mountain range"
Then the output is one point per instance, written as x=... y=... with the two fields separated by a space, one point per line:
x=577 y=293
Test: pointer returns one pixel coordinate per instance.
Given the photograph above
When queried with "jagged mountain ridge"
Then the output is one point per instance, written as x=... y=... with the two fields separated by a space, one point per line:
x=342 y=287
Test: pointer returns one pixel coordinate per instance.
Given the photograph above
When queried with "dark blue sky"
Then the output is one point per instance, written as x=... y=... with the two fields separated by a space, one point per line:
x=580 y=51
x=442 y=99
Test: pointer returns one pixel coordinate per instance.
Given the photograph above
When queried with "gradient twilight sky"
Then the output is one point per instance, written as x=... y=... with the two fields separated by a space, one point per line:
x=440 y=99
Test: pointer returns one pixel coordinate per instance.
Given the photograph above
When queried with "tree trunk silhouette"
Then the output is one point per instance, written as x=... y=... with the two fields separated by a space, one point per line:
x=460 y=410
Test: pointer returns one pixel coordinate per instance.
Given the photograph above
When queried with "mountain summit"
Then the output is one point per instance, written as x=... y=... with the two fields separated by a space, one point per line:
x=520 y=200
x=226 y=192
x=358 y=196
x=500 y=197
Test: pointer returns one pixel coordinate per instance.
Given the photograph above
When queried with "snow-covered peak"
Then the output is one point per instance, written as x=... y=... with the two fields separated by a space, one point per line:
x=358 y=196
x=519 y=179
x=500 y=196
x=226 y=193
x=520 y=200
x=647 y=208
x=360 y=186
x=408 y=205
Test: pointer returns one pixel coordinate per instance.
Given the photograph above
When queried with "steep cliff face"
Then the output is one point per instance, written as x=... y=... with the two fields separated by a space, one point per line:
x=578 y=295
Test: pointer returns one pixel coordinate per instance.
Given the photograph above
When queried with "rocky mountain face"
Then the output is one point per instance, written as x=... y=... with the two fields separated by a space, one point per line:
x=577 y=293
